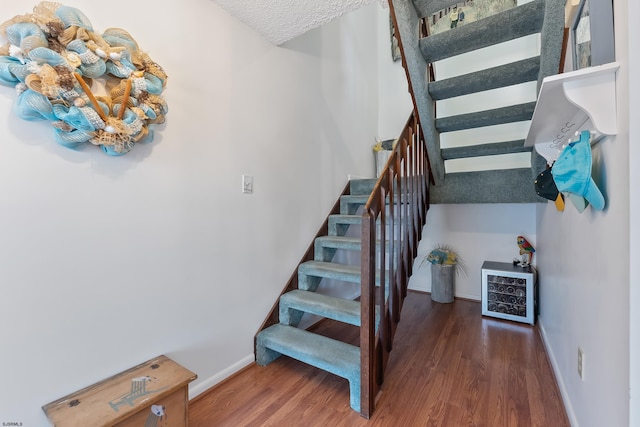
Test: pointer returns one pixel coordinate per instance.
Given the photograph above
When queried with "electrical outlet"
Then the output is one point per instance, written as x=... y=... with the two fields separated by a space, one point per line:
x=581 y=363
x=247 y=184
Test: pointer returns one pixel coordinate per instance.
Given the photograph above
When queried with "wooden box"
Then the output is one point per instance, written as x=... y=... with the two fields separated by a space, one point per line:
x=154 y=393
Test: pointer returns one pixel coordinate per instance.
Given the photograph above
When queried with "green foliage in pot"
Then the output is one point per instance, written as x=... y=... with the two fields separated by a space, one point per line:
x=446 y=255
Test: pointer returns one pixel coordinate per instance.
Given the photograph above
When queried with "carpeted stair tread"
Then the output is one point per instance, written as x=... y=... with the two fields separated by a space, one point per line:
x=361 y=186
x=496 y=116
x=338 y=242
x=311 y=272
x=328 y=270
x=339 y=223
x=326 y=246
x=331 y=355
x=339 y=309
x=491 y=149
x=510 y=74
x=350 y=203
x=491 y=186
x=336 y=357
x=508 y=25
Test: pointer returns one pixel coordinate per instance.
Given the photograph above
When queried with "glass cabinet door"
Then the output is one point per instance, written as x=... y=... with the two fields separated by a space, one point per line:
x=509 y=291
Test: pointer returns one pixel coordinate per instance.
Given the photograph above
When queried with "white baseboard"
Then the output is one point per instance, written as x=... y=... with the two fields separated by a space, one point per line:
x=207 y=383
x=468 y=297
x=472 y=297
x=559 y=379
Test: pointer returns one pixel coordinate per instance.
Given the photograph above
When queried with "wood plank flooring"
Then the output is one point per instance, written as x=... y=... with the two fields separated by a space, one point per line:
x=450 y=367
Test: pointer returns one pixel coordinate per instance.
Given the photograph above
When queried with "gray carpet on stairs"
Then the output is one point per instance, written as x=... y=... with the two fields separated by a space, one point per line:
x=490 y=78
x=511 y=24
x=491 y=149
x=492 y=186
x=538 y=16
x=497 y=116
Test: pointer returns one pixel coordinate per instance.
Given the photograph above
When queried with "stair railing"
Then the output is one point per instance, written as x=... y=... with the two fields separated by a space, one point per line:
x=392 y=222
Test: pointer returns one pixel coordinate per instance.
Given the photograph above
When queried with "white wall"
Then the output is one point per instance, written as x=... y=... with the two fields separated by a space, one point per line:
x=395 y=103
x=634 y=211
x=584 y=271
x=107 y=262
x=479 y=233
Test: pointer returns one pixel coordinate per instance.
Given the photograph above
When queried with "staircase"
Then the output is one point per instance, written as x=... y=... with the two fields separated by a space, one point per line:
x=392 y=210
x=334 y=356
x=383 y=219
x=544 y=17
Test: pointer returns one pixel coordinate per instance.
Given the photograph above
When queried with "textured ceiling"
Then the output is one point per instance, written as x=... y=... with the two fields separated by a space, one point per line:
x=282 y=20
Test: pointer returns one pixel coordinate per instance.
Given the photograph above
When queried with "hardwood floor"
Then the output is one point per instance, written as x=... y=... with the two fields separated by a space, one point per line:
x=450 y=367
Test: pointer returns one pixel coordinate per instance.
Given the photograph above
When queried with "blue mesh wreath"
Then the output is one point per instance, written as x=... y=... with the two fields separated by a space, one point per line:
x=53 y=58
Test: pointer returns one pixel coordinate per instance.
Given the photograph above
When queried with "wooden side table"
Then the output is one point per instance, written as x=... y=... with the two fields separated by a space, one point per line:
x=154 y=393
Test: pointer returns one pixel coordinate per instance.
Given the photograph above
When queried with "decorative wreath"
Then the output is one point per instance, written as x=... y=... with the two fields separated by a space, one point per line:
x=53 y=58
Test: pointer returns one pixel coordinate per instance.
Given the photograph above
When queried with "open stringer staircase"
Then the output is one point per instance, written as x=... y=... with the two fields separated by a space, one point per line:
x=498 y=33
x=380 y=224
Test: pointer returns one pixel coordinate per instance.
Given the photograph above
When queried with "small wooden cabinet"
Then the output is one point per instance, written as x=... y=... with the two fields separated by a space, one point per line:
x=154 y=393
x=509 y=291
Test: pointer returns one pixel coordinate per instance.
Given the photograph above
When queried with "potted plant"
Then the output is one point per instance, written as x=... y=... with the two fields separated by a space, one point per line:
x=445 y=264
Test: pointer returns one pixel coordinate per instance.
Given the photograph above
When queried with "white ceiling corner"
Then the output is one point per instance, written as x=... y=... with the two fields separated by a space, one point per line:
x=281 y=20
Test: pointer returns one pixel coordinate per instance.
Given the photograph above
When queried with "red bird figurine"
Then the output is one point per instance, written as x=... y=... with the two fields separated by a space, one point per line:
x=526 y=250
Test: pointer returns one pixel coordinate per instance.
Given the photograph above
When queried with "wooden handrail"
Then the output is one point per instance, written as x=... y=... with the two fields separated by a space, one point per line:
x=395 y=214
